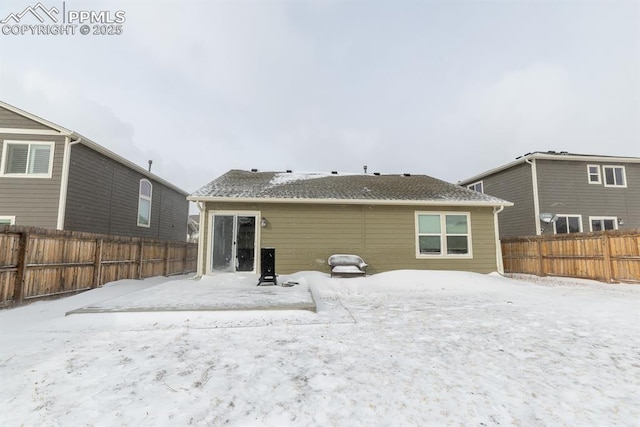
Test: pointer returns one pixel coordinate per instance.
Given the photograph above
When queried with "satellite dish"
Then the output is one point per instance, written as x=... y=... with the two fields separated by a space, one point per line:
x=548 y=217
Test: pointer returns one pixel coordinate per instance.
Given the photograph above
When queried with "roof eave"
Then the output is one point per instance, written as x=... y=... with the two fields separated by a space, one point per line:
x=100 y=149
x=470 y=203
x=545 y=156
x=63 y=131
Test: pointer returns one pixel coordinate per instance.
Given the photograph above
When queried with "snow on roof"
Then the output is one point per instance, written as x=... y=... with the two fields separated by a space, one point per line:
x=346 y=188
x=287 y=177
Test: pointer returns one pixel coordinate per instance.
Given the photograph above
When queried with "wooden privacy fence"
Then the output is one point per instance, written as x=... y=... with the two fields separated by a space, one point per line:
x=610 y=256
x=36 y=263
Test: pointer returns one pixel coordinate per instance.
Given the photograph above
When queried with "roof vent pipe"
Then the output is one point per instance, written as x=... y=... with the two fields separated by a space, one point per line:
x=254 y=170
x=334 y=172
x=406 y=174
x=365 y=168
x=150 y=163
x=376 y=173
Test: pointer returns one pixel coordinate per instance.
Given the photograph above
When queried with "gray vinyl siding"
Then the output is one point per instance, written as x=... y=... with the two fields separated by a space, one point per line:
x=9 y=119
x=102 y=197
x=33 y=201
x=305 y=235
x=564 y=189
x=514 y=185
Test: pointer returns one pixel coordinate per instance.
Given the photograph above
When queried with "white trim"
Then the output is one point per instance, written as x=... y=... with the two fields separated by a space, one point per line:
x=604 y=176
x=544 y=156
x=443 y=235
x=64 y=181
x=6 y=142
x=20 y=131
x=11 y=218
x=209 y=251
x=148 y=198
x=345 y=201
x=475 y=184
x=599 y=181
x=35 y=118
x=496 y=228
x=536 y=197
x=201 y=228
x=110 y=154
x=579 y=216
x=601 y=218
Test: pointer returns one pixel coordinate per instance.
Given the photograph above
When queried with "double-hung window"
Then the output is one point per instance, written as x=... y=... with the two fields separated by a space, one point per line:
x=144 y=203
x=568 y=224
x=443 y=234
x=27 y=159
x=593 y=172
x=614 y=176
x=603 y=223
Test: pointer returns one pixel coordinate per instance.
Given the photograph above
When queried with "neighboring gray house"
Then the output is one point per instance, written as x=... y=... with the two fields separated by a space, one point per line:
x=52 y=177
x=585 y=192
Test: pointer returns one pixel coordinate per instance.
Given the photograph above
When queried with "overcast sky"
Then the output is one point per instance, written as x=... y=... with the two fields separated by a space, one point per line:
x=443 y=88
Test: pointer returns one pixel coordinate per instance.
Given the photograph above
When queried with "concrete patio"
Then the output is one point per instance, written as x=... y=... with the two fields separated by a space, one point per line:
x=221 y=292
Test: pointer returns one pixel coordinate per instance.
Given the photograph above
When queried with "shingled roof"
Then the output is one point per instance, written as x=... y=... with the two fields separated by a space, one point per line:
x=239 y=185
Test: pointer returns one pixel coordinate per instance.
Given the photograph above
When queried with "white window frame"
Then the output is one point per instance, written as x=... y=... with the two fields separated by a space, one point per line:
x=474 y=186
x=599 y=181
x=602 y=218
x=6 y=143
x=604 y=176
x=555 y=231
x=10 y=218
x=142 y=197
x=443 y=235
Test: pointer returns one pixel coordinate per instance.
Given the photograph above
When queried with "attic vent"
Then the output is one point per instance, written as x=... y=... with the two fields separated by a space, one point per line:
x=288 y=170
x=564 y=152
x=406 y=174
x=254 y=170
x=334 y=172
x=376 y=173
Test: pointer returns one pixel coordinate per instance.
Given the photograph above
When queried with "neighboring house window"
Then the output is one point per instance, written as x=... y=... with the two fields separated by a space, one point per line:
x=27 y=159
x=443 y=234
x=568 y=224
x=614 y=176
x=476 y=186
x=7 y=220
x=594 y=174
x=144 y=203
x=603 y=223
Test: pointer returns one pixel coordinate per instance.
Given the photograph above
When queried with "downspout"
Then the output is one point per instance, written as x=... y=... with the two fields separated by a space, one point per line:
x=201 y=227
x=64 y=180
x=536 y=201
x=499 y=263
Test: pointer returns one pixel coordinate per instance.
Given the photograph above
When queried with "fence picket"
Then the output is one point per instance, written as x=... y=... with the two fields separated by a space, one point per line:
x=610 y=256
x=39 y=262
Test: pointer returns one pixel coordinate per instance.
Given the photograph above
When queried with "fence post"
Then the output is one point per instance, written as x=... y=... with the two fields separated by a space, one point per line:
x=140 y=259
x=540 y=259
x=165 y=269
x=606 y=251
x=97 y=265
x=185 y=248
x=23 y=247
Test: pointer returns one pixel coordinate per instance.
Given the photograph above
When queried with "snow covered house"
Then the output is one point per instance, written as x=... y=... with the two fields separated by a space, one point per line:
x=392 y=221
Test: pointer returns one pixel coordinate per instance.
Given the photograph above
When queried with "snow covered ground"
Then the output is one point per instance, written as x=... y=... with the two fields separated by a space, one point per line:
x=398 y=348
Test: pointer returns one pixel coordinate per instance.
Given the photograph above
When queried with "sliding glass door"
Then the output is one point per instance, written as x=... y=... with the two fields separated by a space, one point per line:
x=233 y=246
